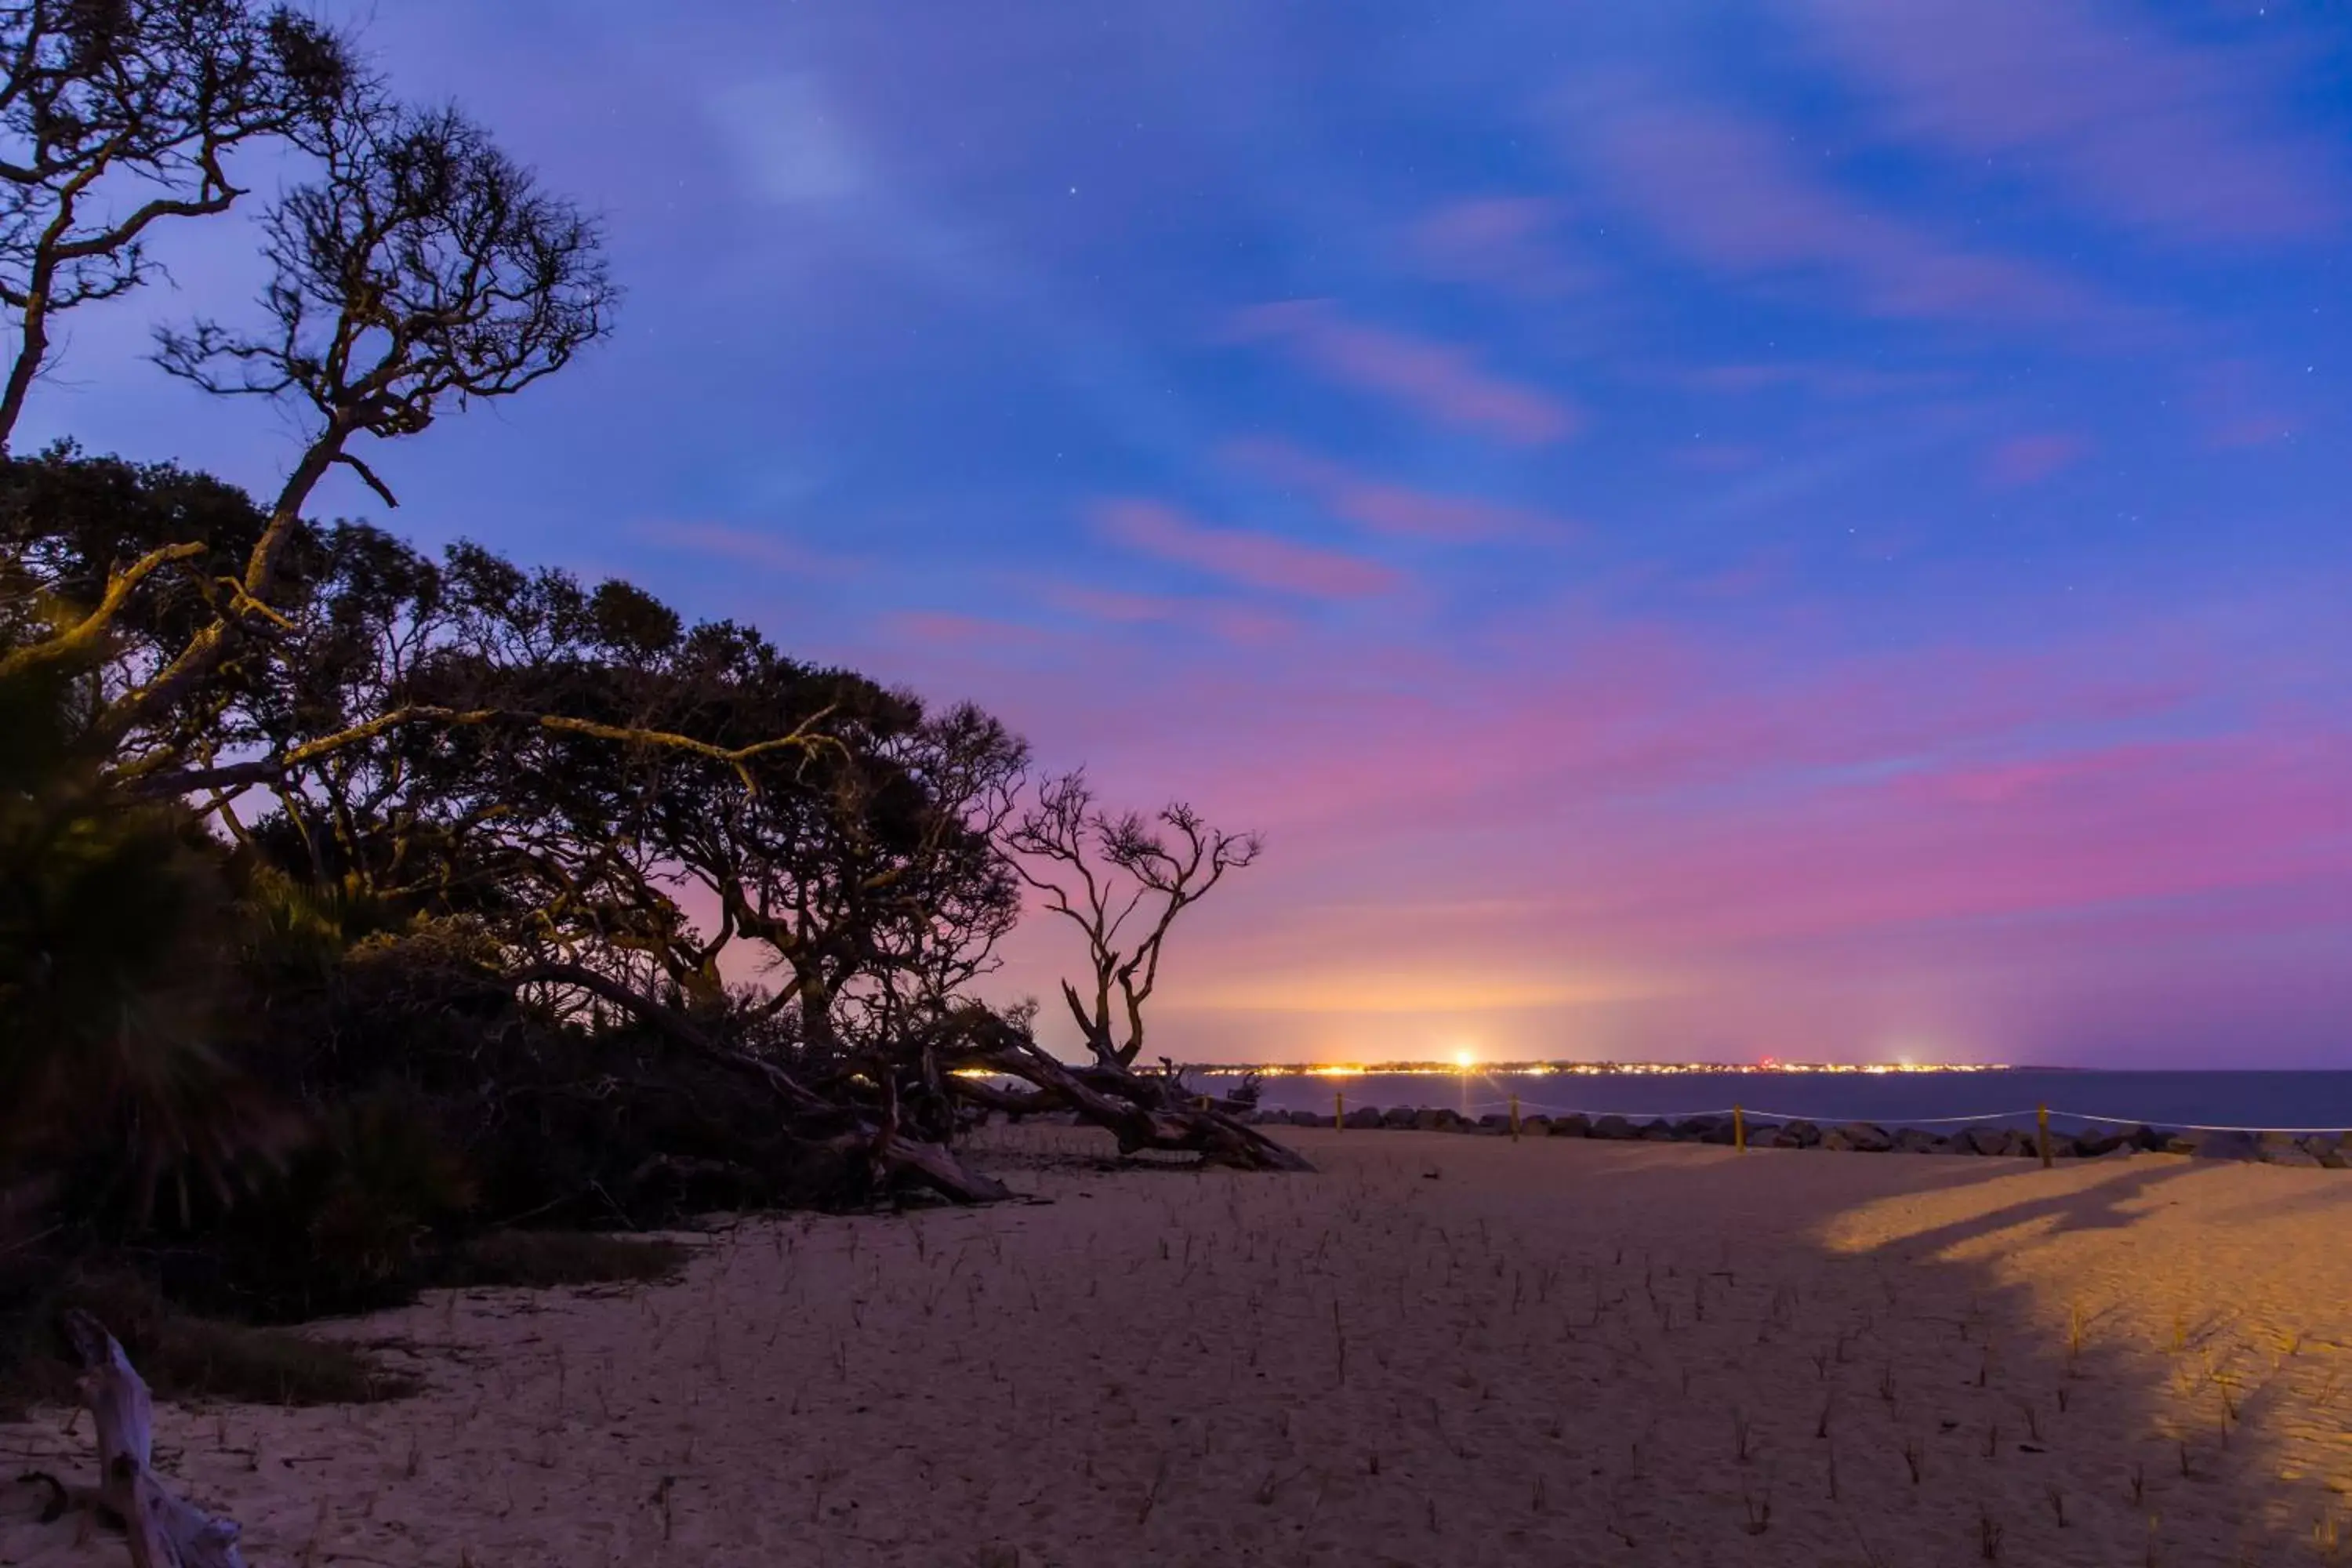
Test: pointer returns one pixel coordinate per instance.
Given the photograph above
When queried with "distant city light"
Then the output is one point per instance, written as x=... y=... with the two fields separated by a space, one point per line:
x=1465 y=1060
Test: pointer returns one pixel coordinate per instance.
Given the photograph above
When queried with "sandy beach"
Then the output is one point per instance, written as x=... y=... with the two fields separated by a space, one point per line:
x=1439 y=1348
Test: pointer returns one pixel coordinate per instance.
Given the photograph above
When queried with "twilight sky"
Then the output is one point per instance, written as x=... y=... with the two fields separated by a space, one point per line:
x=1813 y=527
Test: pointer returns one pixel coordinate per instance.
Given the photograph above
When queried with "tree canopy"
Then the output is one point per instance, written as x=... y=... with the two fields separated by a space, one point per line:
x=372 y=892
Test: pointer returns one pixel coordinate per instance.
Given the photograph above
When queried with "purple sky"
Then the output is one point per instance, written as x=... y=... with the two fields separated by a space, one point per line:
x=1813 y=527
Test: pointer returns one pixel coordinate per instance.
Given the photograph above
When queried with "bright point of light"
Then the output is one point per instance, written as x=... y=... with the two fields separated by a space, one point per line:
x=1466 y=1059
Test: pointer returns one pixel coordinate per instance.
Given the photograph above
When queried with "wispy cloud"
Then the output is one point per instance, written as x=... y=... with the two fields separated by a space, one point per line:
x=2132 y=126
x=2029 y=460
x=948 y=629
x=1509 y=244
x=1724 y=191
x=1239 y=555
x=2237 y=403
x=748 y=547
x=1245 y=625
x=1437 y=380
x=1401 y=511
x=790 y=141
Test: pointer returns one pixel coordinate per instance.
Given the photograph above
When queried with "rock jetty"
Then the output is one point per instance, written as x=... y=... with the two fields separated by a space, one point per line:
x=2330 y=1150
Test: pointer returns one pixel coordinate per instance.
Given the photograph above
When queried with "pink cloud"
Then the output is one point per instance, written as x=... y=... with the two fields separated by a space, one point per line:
x=949 y=629
x=1725 y=192
x=1760 y=572
x=1242 y=624
x=1436 y=380
x=2235 y=404
x=1642 y=839
x=1390 y=509
x=2029 y=460
x=2142 y=129
x=1253 y=560
x=1506 y=243
x=2076 y=833
x=1111 y=605
x=748 y=547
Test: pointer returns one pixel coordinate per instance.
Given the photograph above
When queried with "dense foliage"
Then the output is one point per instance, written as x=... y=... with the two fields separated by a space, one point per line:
x=353 y=899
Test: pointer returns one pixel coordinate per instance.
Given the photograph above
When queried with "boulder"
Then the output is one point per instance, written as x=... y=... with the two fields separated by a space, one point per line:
x=1311 y=1118
x=1912 y=1141
x=2105 y=1141
x=1494 y=1122
x=2020 y=1144
x=1614 y=1127
x=1397 y=1116
x=1658 y=1130
x=2328 y=1148
x=1864 y=1137
x=1721 y=1132
x=1694 y=1129
x=1762 y=1133
x=2152 y=1139
x=1798 y=1135
x=1364 y=1116
x=2227 y=1146
x=1435 y=1118
x=1536 y=1126
x=1575 y=1124
x=2063 y=1147
x=1978 y=1141
x=2179 y=1143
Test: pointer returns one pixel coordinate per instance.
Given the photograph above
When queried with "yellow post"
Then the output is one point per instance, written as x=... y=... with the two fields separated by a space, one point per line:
x=1515 y=1117
x=2042 y=1122
x=1738 y=1130
x=1339 y=1109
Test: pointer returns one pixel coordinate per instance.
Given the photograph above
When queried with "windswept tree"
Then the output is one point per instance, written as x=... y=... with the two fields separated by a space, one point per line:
x=421 y=271
x=146 y=615
x=1122 y=880
x=117 y=115
x=529 y=878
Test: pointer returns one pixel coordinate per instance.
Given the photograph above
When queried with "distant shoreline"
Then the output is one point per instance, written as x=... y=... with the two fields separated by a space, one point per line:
x=1541 y=1069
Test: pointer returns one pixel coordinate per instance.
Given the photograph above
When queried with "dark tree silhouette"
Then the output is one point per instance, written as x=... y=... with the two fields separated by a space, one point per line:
x=115 y=116
x=1123 y=881
x=422 y=270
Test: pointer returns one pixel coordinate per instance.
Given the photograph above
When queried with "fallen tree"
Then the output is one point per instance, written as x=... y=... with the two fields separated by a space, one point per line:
x=1144 y=1111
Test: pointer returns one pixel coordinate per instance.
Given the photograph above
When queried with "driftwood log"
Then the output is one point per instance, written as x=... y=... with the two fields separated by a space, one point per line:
x=1142 y=1110
x=164 y=1530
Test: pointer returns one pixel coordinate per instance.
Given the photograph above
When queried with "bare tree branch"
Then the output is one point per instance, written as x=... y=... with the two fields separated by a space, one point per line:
x=1099 y=873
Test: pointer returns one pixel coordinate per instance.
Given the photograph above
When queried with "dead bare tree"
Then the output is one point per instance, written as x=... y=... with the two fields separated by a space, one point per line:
x=1121 y=880
x=115 y=117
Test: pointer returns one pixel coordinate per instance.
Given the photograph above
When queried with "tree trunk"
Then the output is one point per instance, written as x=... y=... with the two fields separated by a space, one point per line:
x=1138 y=1111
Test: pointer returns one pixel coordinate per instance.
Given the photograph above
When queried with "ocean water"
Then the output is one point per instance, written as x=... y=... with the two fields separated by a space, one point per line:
x=2008 y=1098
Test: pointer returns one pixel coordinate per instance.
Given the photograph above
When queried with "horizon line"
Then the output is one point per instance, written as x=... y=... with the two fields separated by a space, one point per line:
x=1458 y=1068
